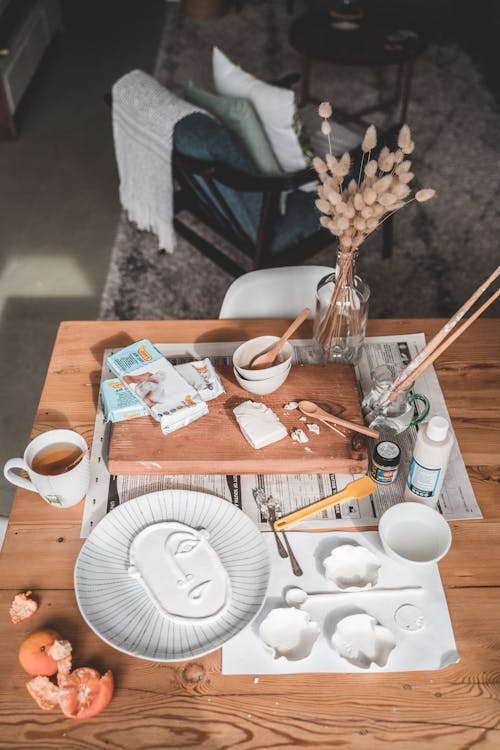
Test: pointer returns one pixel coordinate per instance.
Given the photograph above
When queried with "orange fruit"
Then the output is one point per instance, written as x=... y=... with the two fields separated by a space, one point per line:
x=84 y=693
x=33 y=653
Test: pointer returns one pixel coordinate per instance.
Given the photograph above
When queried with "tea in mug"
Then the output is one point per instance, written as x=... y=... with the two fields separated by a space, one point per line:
x=55 y=459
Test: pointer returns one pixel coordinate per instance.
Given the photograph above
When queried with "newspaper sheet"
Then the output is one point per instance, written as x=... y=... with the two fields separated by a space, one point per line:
x=291 y=491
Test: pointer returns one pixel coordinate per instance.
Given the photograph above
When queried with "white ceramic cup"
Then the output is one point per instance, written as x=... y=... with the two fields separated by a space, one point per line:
x=262 y=387
x=61 y=490
x=249 y=349
x=414 y=533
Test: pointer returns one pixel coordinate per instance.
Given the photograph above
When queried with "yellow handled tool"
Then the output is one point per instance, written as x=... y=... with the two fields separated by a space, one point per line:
x=354 y=490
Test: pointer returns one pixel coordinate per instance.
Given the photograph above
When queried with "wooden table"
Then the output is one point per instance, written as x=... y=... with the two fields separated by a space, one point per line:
x=191 y=705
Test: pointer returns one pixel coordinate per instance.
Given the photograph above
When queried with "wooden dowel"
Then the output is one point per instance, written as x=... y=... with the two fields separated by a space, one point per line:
x=437 y=352
x=349 y=425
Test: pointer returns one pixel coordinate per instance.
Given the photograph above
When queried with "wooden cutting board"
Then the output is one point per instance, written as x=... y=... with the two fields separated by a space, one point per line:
x=214 y=444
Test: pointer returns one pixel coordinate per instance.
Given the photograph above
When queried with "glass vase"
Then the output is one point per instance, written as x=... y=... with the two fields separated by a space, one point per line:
x=341 y=312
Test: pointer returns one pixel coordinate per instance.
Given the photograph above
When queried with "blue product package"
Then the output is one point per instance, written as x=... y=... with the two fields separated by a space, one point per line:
x=119 y=402
x=153 y=380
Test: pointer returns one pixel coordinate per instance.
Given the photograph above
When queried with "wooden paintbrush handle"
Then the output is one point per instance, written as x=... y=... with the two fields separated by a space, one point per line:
x=437 y=352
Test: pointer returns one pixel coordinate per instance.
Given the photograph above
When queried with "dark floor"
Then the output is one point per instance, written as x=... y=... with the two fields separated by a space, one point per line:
x=58 y=196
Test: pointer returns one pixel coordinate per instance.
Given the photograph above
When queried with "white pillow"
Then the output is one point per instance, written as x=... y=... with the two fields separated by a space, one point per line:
x=274 y=105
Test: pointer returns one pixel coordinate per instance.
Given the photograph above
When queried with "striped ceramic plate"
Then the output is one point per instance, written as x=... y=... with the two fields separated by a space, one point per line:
x=116 y=606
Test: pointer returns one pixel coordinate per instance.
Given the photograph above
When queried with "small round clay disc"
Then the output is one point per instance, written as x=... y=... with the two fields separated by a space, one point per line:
x=409 y=617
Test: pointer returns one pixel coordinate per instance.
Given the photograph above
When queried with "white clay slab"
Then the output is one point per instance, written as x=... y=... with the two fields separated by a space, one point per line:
x=431 y=646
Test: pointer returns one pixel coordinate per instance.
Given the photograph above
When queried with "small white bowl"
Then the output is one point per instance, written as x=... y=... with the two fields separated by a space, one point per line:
x=249 y=349
x=414 y=533
x=262 y=387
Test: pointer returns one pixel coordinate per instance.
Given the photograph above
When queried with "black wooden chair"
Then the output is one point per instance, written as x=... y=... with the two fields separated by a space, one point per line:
x=244 y=207
x=269 y=219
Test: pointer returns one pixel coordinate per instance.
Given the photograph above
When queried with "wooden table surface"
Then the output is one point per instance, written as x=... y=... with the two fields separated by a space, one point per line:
x=190 y=704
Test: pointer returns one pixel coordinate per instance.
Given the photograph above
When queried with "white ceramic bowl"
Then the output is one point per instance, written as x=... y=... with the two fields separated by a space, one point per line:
x=262 y=387
x=414 y=533
x=249 y=349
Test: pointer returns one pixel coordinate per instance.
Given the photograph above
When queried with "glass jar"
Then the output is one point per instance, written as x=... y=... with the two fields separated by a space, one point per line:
x=341 y=312
x=396 y=416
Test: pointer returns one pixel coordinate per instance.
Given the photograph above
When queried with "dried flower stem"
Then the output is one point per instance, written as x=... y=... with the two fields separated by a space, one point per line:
x=355 y=211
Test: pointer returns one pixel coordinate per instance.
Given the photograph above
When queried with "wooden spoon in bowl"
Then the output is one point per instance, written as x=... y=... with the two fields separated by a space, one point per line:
x=266 y=359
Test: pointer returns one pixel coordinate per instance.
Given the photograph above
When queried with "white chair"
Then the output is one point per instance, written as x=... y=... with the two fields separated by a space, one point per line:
x=3 y=528
x=273 y=292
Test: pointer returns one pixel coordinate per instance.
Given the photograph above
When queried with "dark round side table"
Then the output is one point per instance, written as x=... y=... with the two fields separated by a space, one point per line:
x=374 y=41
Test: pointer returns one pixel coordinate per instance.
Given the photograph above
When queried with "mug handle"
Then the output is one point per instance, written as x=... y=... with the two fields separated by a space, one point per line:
x=418 y=397
x=13 y=478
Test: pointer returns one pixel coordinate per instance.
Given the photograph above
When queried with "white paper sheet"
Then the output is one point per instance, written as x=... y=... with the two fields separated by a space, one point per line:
x=432 y=647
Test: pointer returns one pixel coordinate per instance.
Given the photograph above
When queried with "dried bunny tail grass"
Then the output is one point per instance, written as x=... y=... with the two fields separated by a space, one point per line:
x=349 y=211
x=326 y=128
x=352 y=187
x=383 y=184
x=406 y=177
x=359 y=223
x=342 y=222
x=425 y=195
x=410 y=148
x=334 y=197
x=319 y=165
x=325 y=110
x=370 y=139
x=369 y=195
x=371 y=168
x=324 y=206
x=367 y=212
x=387 y=199
x=398 y=156
x=345 y=163
x=404 y=166
x=358 y=202
x=325 y=222
x=386 y=163
x=400 y=189
x=331 y=161
x=404 y=138
x=378 y=210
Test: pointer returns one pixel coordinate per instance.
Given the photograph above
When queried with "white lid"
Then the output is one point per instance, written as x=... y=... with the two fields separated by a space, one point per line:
x=437 y=429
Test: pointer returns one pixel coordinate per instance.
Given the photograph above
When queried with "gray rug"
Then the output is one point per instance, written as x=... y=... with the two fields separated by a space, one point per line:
x=442 y=250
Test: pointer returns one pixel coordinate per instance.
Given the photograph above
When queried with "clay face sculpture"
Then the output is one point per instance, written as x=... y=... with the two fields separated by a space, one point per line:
x=180 y=571
x=290 y=632
x=352 y=565
x=362 y=641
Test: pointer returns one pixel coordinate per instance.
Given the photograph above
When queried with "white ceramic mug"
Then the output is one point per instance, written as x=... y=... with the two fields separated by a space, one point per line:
x=60 y=490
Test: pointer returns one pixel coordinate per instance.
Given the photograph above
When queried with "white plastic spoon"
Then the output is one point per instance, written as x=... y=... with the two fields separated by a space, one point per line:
x=296 y=597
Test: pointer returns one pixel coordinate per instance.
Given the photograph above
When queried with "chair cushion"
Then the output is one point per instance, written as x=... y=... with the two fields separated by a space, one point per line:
x=238 y=115
x=275 y=107
x=201 y=137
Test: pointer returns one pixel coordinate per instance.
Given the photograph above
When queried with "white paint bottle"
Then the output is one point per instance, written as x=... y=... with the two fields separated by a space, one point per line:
x=429 y=462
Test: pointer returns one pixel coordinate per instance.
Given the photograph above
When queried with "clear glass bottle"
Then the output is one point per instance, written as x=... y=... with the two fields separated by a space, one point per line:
x=341 y=312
